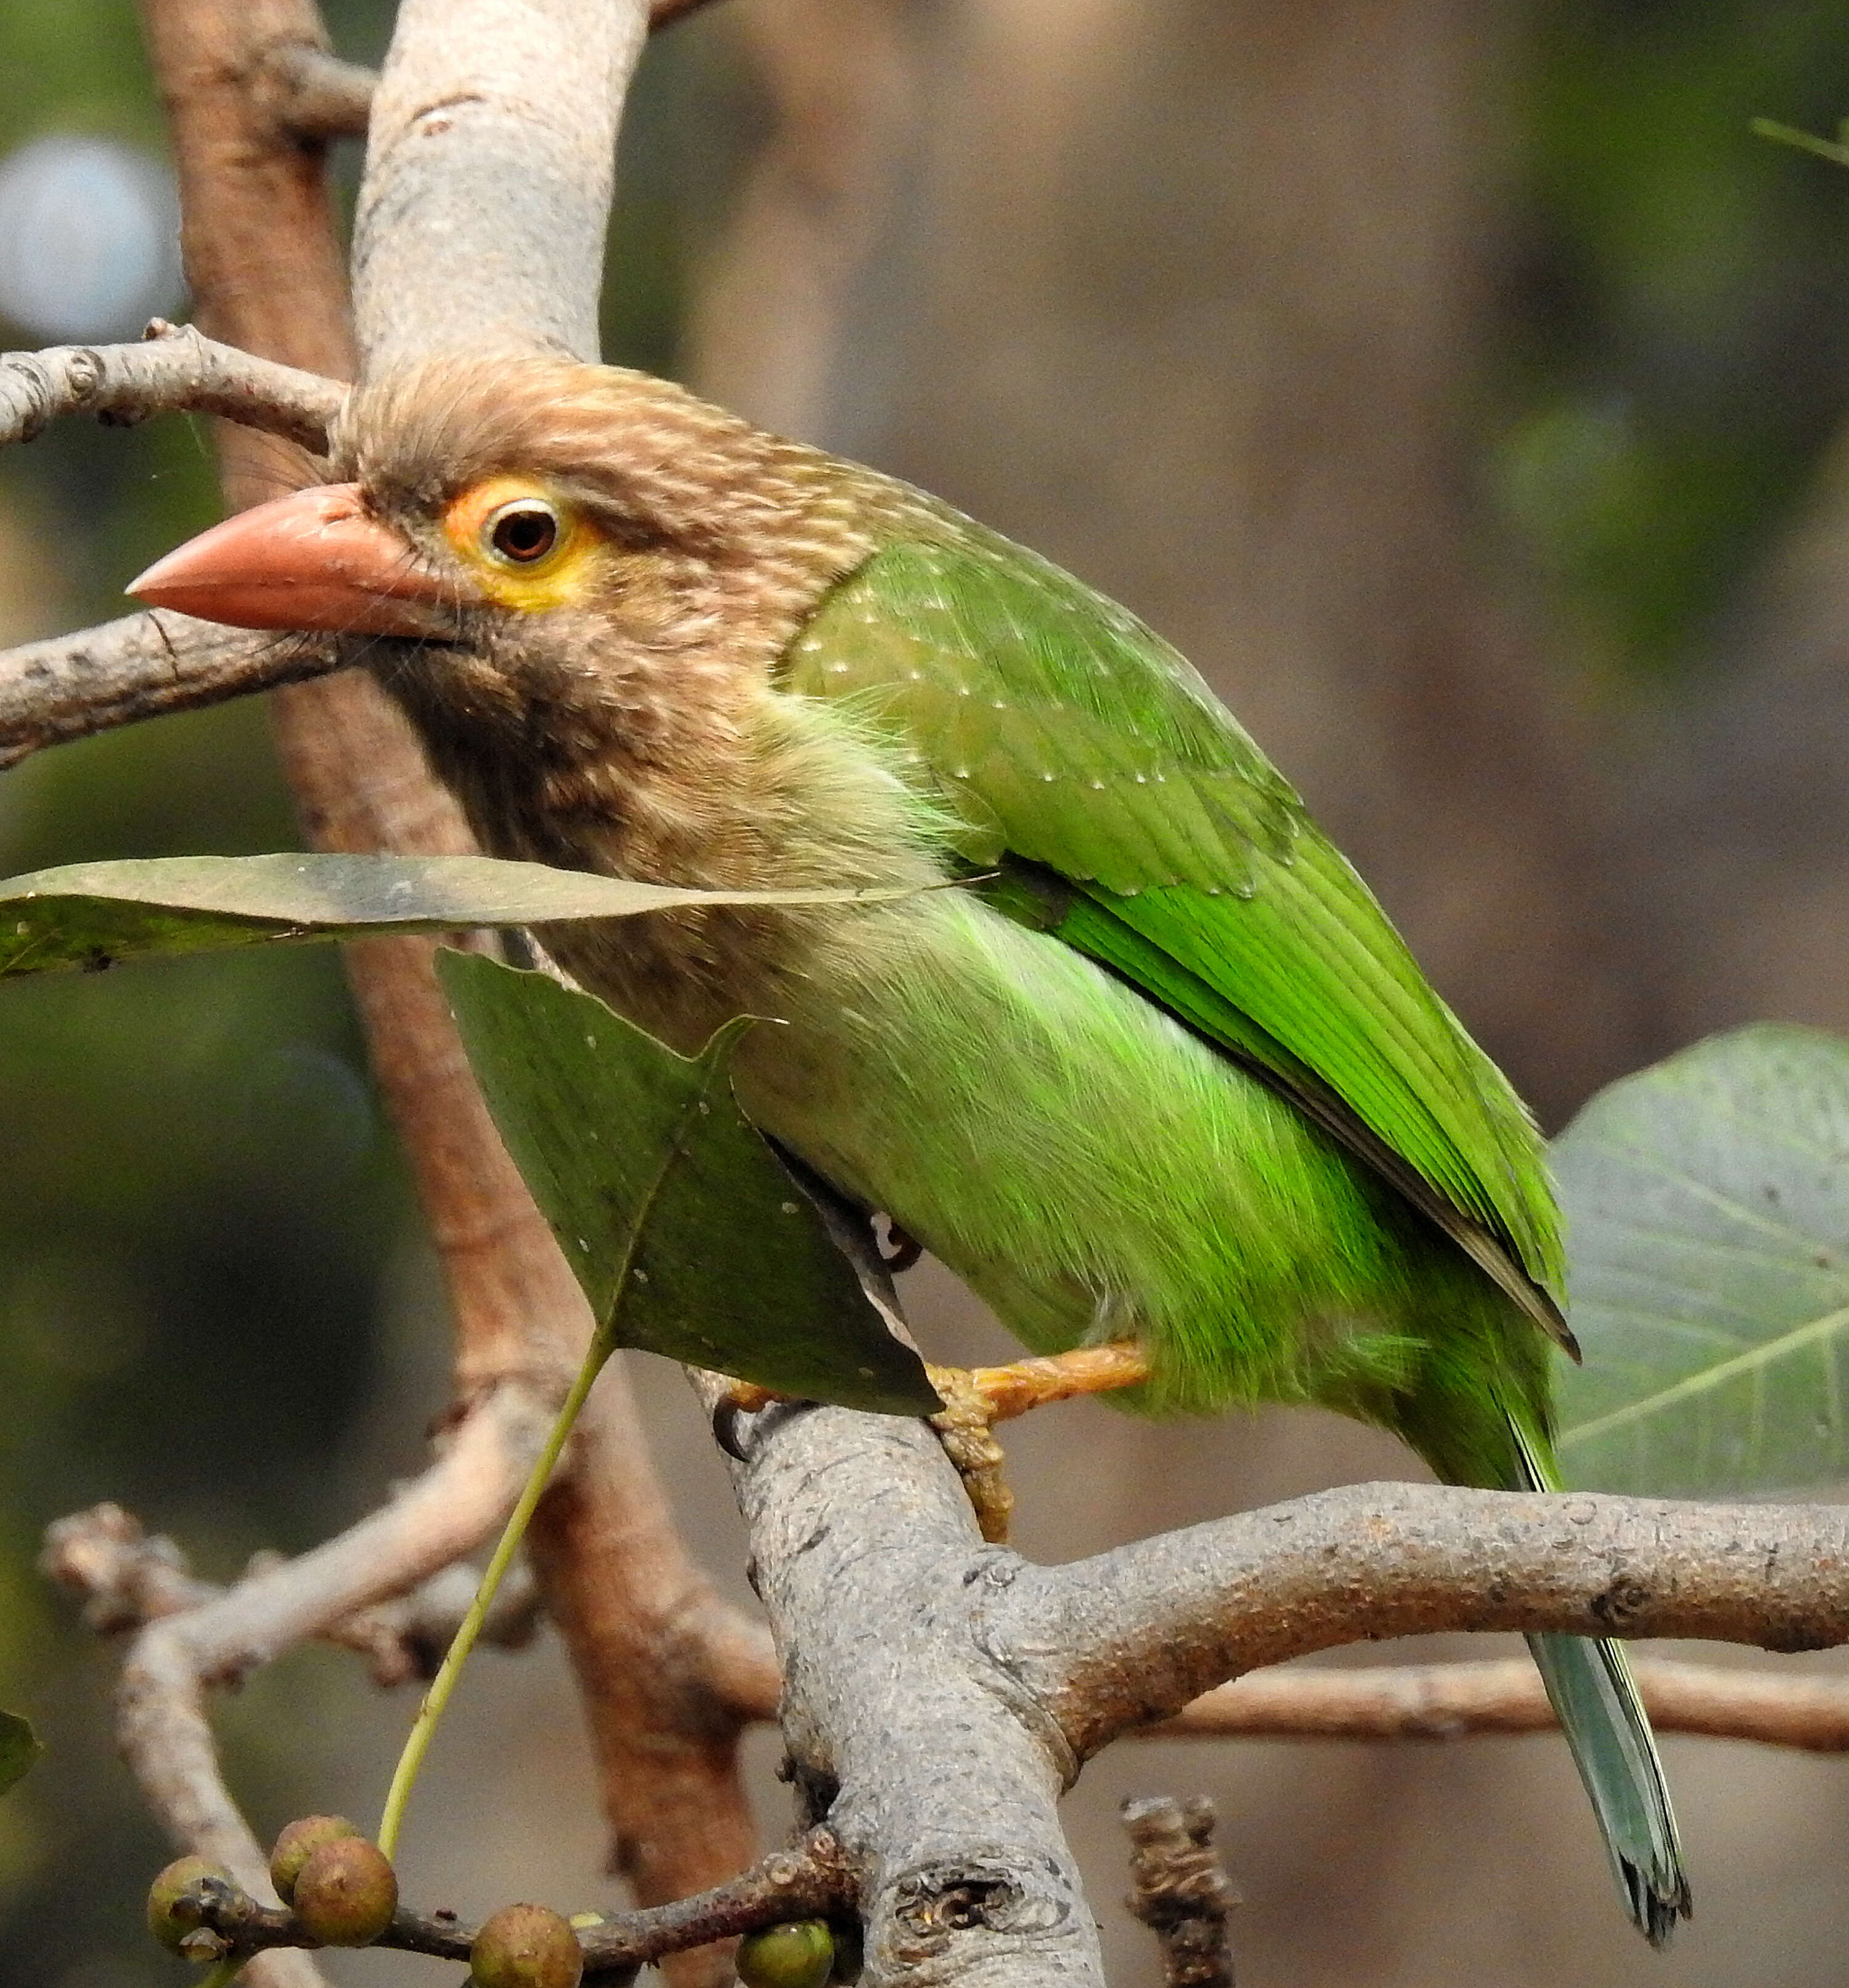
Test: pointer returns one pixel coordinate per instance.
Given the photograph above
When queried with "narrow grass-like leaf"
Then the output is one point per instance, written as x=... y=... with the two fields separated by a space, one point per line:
x=19 y=1747
x=688 y=1234
x=1707 y=1202
x=91 y=914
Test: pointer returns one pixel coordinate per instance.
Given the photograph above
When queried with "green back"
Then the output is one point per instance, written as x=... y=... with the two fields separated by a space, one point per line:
x=1068 y=735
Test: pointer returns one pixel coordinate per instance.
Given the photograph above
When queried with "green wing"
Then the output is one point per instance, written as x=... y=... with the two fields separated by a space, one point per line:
x=1068 y=736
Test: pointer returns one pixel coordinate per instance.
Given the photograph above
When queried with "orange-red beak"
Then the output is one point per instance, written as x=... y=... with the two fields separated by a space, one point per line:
x=315 y=559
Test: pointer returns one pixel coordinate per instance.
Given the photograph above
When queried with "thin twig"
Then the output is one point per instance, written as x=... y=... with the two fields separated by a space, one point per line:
x=173 y=366
x=1179 y=1890
x=810 y=1880
x=143 y=666
x=1464 y=1700
x=312 y=95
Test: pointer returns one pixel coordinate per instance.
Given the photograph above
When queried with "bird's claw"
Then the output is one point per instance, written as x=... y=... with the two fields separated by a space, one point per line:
x=741 y=1397
x=965 y=1426
x=976 y=1398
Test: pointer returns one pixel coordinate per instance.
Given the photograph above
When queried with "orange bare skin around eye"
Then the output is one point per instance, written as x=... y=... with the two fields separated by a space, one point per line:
x=553 y=580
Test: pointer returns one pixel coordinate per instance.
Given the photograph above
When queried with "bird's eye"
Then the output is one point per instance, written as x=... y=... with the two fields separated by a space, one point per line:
x=523 y=531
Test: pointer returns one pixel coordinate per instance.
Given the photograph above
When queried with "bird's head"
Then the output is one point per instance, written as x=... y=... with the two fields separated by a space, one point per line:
x=544 y=523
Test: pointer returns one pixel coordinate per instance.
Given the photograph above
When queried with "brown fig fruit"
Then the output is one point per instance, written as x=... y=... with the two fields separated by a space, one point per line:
x=526 y=1946
x=346 y=1893
x=298 y=1842
x=799 y=1954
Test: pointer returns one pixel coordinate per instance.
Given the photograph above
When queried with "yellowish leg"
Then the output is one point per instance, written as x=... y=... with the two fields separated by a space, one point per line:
x=976 y=1398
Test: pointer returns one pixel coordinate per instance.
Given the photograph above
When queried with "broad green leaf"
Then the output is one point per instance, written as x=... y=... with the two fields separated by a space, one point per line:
x=1707 y=1205
x=19 y=1747
x=689 y=1236
x=91 y=914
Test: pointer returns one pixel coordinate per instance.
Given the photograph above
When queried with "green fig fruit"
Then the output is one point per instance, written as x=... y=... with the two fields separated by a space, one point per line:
x=799 y=1953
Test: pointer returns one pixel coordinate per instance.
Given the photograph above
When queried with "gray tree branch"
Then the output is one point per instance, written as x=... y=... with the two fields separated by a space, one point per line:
x=488 y=172
x=173 y=366
x=938 y=1775
x=1130 y=1636
x=143 y=666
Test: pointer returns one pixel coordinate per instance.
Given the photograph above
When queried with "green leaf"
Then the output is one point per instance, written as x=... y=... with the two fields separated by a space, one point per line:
x=19 y=1747
x=1707 y=1202
x=92 y=914
x=690 y=1236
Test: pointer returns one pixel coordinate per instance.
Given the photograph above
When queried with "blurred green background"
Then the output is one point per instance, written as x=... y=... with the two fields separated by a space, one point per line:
x=215 y=1306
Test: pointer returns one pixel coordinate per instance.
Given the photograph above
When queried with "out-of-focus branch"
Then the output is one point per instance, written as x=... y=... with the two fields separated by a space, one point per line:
x=658 y=1657
x=314 y=95
x=311 y=95
x=173 y=366
x=143 y=666
x=1132 y=1635
x=775 y=303
x=1179 y=1890
x=129 y=1578
x=1458 y=1700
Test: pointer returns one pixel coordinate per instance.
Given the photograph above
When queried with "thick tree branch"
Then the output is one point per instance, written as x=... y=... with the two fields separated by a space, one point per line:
x=173 y=366
x=938 y=1774
x=1131 y=1636
x=143 y=666
x=488 y=172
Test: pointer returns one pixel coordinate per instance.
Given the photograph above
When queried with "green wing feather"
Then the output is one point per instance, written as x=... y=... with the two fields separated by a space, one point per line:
x=1068 y=735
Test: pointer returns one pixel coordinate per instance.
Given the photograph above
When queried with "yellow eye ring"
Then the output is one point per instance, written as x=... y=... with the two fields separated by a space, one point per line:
x=526 y=548
x=521 y=532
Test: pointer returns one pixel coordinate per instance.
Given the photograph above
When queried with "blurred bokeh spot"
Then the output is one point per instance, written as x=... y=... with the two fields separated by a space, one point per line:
x=90 y=239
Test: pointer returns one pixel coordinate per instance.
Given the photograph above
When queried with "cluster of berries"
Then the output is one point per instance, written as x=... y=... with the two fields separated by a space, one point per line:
x=342 y=1891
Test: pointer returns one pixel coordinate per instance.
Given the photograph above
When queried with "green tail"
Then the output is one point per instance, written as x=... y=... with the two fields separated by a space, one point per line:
x=1590 y=1687
x=1595 y=1698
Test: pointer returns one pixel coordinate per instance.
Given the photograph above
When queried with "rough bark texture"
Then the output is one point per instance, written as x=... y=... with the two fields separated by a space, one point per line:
x=938 y=1776
x=143 y=666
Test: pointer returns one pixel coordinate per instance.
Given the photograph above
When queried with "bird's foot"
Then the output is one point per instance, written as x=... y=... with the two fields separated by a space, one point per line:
x=741 y=1398
x=976 y=1398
